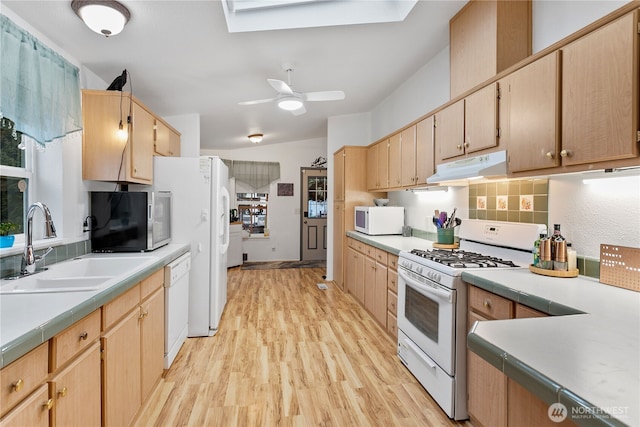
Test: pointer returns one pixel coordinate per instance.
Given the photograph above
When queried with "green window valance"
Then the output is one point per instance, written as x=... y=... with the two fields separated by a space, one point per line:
x=255 y=174
x=39 y=89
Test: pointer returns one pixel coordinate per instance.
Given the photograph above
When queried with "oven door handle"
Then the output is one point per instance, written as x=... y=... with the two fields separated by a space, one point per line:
x=426 y=288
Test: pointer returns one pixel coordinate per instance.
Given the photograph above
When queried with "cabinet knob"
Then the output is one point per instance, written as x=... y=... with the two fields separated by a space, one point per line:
x=549 y=155
x=487 y=304
x=565 y=153
x=17 y=386
x=83 y=336
x=62 y=392
x=47 y=405
x=459 y=146
x=466 y=144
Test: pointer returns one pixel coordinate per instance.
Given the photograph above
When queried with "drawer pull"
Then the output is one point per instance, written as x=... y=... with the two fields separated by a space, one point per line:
x=62 y=392
x=83 y=336
x=17 y=386
x=48 y=405
x=487 y=304
x=143 y=314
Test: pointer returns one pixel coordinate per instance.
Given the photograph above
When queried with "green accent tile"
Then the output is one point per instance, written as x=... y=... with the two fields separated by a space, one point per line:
x=540 y=217
x=473 y=214
x=541 y=203
x=492 y=215
x=502 y=215
x=581 y=266
x=514 y=188
x=540 y=186
x=592 y=268
x=502 y=188
x=482 y=189
x=513 y=202
x=473 y=191
x=491 y=202
x=472 y=202
x=526 y=217
x=526 y=186
x=481 y=214
x=492 y=189
x=513 y=216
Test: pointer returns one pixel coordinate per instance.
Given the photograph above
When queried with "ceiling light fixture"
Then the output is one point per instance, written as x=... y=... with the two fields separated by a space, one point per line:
x=256 y=137
x=106 y=17
x=290 y=103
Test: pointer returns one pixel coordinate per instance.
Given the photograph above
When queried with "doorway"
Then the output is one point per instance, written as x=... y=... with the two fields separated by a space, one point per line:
x=313 y=221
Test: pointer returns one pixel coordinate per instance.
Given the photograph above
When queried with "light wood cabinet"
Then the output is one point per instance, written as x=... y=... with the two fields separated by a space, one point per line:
x=20 y=378
x=531 y=126
x=494 y=399
x=450 y=131
x=338 y=244
x=166 y=140
x=424 y=154
x=34 y=411
x=152 y=341
x=338 y=176
x=487 y=37
x=355 y=274
x=76 y=391
x=395 y=160
x=106 y=156
x=378 y=166
x=600 y=94
x=392 y=295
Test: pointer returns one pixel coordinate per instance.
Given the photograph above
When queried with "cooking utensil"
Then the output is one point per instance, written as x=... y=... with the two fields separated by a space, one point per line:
x=451 y=220
x=443 y=218
x=458 y=222
x=436 y=222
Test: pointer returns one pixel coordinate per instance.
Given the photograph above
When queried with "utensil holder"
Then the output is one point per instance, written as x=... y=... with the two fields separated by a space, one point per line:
x=445 y=235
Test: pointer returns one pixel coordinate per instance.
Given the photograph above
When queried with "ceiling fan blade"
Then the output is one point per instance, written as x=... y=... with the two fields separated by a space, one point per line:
x=299 y=111
x=257 y=101
x=327 y=95
x=280 y=86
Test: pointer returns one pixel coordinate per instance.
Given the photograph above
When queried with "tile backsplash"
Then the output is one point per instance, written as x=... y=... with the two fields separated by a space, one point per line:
x=514 y=200
x=10 y=265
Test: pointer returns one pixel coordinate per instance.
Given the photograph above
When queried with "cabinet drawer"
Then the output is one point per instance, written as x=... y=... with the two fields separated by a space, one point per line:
x=72 y=340
x=359 y=246
x=381 y=256
x=370 y=251
x=114 y=310
x=392 y=281
x=392 y=325
x=351 y=243
x=489 y=304
x=522 y=311
x=21 y=377
x=151 y=283
x=392 y=302
x=392 y=261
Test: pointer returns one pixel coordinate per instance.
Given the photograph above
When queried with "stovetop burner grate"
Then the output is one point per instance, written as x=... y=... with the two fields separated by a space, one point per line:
x=457 y=258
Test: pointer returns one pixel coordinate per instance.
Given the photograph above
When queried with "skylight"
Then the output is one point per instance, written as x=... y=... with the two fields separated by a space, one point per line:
x=262 y=15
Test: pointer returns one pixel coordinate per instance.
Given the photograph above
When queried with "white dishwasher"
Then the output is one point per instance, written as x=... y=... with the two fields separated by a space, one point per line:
x=176 y=306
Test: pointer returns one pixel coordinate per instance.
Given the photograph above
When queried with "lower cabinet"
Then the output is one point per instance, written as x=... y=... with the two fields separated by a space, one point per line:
x=152 y=341
x=32 y=412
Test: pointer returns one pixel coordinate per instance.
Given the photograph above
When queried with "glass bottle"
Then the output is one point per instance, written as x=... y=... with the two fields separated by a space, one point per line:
x=536 y=250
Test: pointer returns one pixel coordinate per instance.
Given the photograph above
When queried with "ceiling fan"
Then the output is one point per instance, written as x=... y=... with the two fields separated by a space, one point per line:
x=291 y=100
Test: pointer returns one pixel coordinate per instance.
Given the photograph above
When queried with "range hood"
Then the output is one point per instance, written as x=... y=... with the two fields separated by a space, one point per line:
x=492 y=165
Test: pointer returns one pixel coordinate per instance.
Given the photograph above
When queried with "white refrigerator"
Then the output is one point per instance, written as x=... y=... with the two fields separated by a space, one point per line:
x=200 y=217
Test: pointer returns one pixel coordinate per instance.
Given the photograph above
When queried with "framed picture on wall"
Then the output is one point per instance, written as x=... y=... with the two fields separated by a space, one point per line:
x=285 y=189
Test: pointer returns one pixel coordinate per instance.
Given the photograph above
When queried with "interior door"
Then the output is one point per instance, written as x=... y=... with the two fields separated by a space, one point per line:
x=314 y=214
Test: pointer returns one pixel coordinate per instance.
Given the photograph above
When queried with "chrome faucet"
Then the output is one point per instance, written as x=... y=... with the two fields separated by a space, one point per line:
x=29 y=259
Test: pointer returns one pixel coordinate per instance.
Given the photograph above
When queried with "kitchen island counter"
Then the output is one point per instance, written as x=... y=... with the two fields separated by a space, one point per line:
x=586 y=356
x=28 y=320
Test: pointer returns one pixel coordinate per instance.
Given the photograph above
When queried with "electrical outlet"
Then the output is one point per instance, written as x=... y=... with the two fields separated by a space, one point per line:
x=273 y=249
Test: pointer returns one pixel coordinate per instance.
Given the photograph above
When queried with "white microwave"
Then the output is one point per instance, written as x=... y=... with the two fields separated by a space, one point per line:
x=377 y=220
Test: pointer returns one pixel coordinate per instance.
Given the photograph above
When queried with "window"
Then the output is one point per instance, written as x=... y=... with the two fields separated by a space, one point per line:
x=317 y=197
x=14 y=175
x=252 y=209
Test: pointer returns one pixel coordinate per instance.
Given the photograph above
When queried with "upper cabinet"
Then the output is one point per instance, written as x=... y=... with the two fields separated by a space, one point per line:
x=378 y=166
x=395 y=160
x=530 y=126
x=600 y=94
x=487 y=37
x=469 y=125
x=127 y=156
x=166 y=140
x=417 y=153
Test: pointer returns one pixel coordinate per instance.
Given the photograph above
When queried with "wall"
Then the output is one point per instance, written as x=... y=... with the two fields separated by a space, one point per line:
x=283 y=243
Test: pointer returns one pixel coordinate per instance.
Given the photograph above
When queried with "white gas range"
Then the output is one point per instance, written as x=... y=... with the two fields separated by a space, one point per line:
x=432 y=303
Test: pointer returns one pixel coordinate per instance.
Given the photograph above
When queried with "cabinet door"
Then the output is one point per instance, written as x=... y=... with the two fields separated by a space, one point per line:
x=22 y=376
x=338 y=244
x=481 y=119
x=121 y=371
x=450 y=131
x=395 y=160
x=166 y=141
x=338 y=175
x=141 y=144
x=369 y=284
x=351 y=258
x=425 y=164
x=383 y=165
x=76 y=391
x=487 y=389
x=32 y=412
x=152 y=340
x=533 y=98
x=380 y=305
x=600 y=94
x=409 y=158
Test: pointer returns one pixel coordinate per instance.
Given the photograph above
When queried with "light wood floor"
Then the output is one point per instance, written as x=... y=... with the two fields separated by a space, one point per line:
x=290 y=354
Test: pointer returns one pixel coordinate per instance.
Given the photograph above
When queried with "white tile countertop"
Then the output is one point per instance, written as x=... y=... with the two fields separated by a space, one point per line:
x=27 y=320
x=590 y=362
x=393 y=244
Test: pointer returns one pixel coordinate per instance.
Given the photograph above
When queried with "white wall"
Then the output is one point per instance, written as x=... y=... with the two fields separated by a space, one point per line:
x=283 y=219
x=189 y=127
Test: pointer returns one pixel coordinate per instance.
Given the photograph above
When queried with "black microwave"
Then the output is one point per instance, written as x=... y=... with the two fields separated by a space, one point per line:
x=130 y=221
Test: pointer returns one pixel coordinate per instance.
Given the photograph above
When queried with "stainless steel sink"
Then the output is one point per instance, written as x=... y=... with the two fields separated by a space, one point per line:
x=91 y=273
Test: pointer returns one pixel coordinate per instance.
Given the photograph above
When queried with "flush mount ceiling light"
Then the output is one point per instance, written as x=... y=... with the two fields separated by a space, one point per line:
x=290 y=103
x=255 y=137
x=107 y=17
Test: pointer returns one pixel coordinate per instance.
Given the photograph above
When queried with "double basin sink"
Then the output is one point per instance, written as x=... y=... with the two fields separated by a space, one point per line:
x=89 y=273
